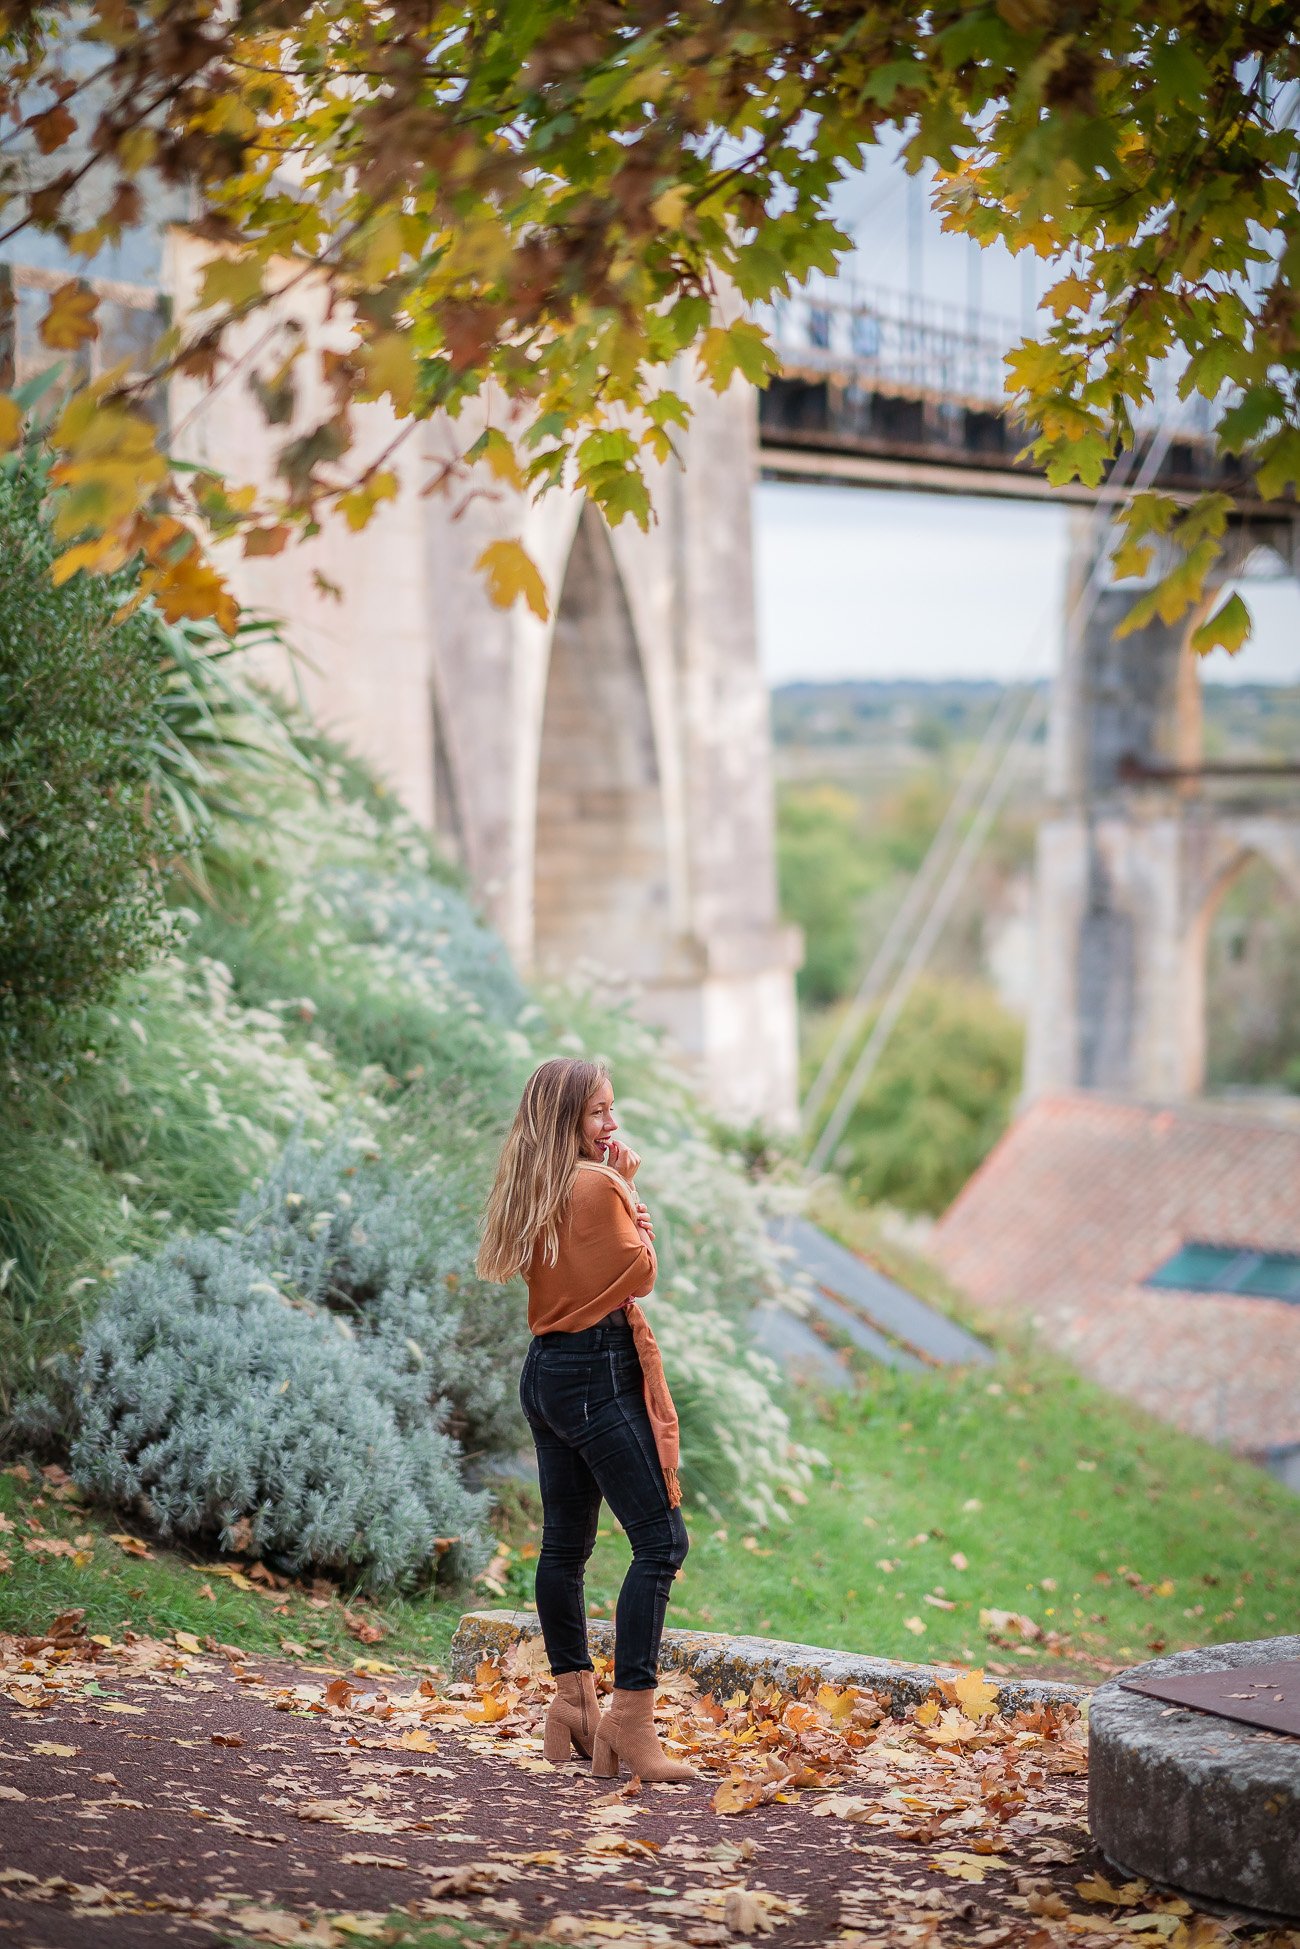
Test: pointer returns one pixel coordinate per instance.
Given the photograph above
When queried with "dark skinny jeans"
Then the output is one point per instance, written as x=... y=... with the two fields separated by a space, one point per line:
x=582 y=1395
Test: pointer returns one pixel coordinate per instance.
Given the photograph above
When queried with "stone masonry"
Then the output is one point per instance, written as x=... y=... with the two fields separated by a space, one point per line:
x=605 y=776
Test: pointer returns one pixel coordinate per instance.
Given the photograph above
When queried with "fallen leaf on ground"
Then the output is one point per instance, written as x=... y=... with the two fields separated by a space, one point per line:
x=1097 y=1889
x=976 y=1697
x=742 y=1913
x=365 y=1628
x=965 y=1867
x=130 y=1545
x=737 y=1797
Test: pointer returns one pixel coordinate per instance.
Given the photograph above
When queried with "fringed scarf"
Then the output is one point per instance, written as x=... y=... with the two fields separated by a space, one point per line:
x=658 y=1401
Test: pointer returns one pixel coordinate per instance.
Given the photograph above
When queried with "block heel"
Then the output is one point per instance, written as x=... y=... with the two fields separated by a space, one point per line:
x=604 y=1760
x=557 y=1746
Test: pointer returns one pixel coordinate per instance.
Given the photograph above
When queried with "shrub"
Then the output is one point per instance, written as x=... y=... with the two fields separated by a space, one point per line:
x=736 y=1445
x=334 y=917
x=80 y=899
x=393 y=1253
x=940 y=1098
x=170 y=1103
x=219 y=1410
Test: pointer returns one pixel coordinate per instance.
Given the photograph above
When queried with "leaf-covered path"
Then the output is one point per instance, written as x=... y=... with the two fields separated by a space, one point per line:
x=184 y=1793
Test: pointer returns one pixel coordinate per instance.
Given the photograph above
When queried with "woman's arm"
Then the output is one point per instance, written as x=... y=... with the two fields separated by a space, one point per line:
x=613 y=1251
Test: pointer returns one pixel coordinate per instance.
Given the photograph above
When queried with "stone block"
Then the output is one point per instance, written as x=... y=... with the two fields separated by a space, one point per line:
x=1197 y=1802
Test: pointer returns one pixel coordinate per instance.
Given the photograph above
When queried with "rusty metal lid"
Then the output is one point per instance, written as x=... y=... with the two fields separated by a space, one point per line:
x=1259 y=1695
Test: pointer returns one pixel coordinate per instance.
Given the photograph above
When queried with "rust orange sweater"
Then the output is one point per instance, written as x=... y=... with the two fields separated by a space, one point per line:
x=603 y=1261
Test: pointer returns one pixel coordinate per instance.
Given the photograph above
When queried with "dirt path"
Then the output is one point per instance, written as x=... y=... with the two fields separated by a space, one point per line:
x=166 y=1792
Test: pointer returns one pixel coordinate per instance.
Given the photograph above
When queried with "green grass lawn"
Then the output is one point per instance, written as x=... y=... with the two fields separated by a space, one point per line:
x=1021 y=1488
x=181 y=1591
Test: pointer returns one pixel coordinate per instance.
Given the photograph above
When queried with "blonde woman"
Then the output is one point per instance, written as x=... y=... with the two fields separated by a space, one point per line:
x=563 y=1212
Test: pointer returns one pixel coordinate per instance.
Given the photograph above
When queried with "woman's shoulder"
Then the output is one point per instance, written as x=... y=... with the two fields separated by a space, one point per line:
x=596 y=1189
x=593 y=1183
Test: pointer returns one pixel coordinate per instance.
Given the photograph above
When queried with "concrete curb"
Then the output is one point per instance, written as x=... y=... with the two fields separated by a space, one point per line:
x=724 y=1665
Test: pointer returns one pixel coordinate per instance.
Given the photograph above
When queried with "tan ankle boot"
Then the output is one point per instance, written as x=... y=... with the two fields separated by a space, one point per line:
x=627 y=1732
x=572 y=1716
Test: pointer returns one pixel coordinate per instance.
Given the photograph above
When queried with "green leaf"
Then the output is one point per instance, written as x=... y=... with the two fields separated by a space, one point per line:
x=1227 y=629
x=1242 y=423
x=231 y=281
x=1279 y=464
x=726 y=350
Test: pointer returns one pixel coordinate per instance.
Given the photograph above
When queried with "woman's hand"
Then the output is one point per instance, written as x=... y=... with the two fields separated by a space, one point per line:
x=621 y=1158
x=643 y=1224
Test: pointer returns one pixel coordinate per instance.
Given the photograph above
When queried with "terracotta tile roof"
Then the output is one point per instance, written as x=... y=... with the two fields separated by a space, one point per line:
x=1084 y=1197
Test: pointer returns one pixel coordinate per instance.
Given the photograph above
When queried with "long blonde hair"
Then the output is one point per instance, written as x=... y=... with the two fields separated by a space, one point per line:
x=537 y=1167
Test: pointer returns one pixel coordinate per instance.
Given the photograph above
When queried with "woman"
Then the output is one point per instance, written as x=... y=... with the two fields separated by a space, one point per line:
x=563 y=1212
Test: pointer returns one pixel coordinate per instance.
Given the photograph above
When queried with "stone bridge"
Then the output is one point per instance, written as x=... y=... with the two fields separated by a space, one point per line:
x=605 y=776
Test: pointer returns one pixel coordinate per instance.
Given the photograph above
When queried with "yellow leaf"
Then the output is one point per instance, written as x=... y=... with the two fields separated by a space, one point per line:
x=359 y=504
x=1069 y=294
x=976 y=1697
x=192 y=587
x=737 y=1796
x=11 y=424
x=494 y=1707
x=513 y=576
x=963 y=1867
x=70 y=320
x=838 y=1704
x=927 y=1714
x=1097 y=1889
x=48 y=1750
x=417 y=1740
x=130 y=1545
x=391 y=368
x=726 y=350
x=497 y=452
x=187 y=1641
x=116 y=1705
x=237 y=1577
x=669 y=207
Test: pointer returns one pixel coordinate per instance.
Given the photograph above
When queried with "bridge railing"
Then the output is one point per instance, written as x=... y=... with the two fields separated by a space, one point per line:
x=894 y=342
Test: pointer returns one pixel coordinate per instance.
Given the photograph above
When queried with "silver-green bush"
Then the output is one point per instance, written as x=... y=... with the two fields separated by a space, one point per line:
x=216 y=1407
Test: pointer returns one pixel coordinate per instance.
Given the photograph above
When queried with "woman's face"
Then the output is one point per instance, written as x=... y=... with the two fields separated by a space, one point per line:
x=598 y=1125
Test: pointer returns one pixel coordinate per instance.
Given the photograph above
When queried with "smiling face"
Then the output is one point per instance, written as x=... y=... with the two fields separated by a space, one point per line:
x=598 y=1125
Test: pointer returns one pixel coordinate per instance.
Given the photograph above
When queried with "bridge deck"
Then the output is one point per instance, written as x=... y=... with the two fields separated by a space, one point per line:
x=834 y=429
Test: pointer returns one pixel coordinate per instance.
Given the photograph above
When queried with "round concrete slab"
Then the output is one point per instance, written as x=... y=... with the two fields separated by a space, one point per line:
x=1193 y=1800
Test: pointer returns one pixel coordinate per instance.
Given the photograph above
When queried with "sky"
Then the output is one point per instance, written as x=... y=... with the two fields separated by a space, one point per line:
x=863 y=582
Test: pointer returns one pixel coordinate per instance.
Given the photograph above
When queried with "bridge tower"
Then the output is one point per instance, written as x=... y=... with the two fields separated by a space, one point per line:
x=1141 y=844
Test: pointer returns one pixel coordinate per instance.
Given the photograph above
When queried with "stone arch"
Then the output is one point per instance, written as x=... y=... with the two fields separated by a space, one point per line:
x=1273 y=845
x=601 y=880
